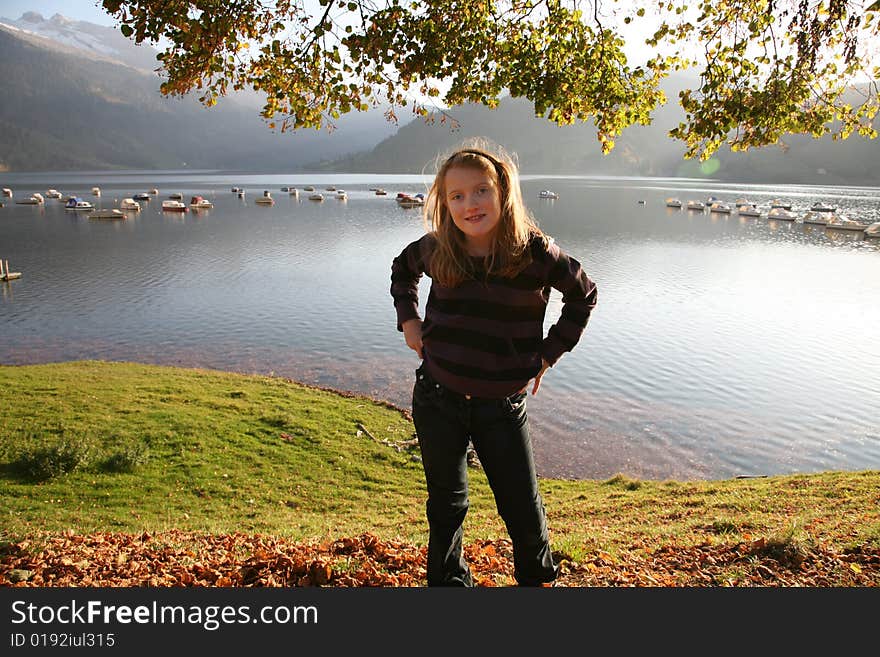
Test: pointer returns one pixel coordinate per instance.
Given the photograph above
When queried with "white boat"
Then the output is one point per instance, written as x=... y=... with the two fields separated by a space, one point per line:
x=76 y=203
x=200 y=203
x=35 y=199
x=96 y=191
x=380 y=192
x=309 y=188
x=173 y=205
x=265 y=199
x=7 y=192
x=696 y=205
x=780 y=204
x=782 y=214
x=341 y=194
x=719 y=207
x=330 y=188
x=154 y=191
x=53 y=193
x=176 y=196
x=112 y=213
x=841 y=222
x=673 y=203
x=822 y=207
x=294 y=192
x=748 y=210
x=141 y=196
x=129 y=205
x=873 y=230
x=316 y=196
x=546 y=193
x=816 y=218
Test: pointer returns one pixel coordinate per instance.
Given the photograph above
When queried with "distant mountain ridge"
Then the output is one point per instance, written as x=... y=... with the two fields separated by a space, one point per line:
x=78 y=95
x=543 y=147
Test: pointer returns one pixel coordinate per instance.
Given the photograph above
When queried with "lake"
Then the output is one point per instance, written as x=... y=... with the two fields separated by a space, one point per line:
x=721 y=346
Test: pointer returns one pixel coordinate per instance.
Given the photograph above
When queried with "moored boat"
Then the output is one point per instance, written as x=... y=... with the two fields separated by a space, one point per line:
x=129 y=205
x=111 y=213
x=673 y=203
x=173 y=205
x=839 y=221
x=781 y=214
x=200 y=203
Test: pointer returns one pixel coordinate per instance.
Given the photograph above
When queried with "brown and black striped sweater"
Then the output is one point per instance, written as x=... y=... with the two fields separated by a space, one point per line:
x=486 y=337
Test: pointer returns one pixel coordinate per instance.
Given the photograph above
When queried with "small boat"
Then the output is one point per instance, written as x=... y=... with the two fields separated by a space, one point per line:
x=546 y=193
x=719 y=207
x=316 y=196
x=112 y=213
x=673 y=203
x=330 y=188
x=96 y=191
x=380 y=192
x=142 y=196
x=176 y=196
x=779 y=204
x=35 y=199
x=842 y=222
x=7 y=192
x=873 y=230
x=173 y=205
x=748 y=210
x=129 y=205
x=782 y=214
x=822 y=207
x=154 y=191
x=235 y=190
x=341 y=194
x=696 y=205
x=200 y=203
x=817 y=218
x=53 y=193
x=76 y=203
x=240 y=192
x=265 y=199
x=309 y=188
x=407 y=201
x=294 y=192
x=711 y=200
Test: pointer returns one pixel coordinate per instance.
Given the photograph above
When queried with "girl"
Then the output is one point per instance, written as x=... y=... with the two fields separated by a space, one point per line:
x=481 y=343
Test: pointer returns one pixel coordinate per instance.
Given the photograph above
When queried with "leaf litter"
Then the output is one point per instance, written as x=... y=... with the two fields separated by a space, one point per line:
x=190 y=559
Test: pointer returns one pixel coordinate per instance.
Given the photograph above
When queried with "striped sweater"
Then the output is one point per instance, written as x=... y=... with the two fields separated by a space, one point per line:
x=486 y=338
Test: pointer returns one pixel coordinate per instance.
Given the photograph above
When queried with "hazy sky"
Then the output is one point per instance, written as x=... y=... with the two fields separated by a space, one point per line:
x=83 y=10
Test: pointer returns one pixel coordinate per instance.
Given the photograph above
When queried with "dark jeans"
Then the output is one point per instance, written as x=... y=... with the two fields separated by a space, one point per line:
x=499 y=430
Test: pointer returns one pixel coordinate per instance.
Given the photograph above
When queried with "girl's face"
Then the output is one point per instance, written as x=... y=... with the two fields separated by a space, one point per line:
x=475 y=206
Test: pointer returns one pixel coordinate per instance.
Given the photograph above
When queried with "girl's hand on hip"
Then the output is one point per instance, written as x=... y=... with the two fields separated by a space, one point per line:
x=412 y=332
x=544 y=366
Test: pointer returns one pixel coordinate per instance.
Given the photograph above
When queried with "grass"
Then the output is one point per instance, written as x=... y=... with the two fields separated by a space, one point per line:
x=97 y=446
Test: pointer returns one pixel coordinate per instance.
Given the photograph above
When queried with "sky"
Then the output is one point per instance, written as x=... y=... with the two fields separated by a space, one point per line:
x=82 y=10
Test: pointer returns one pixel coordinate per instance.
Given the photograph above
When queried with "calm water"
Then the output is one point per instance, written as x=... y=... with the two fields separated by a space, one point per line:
x=721 y=346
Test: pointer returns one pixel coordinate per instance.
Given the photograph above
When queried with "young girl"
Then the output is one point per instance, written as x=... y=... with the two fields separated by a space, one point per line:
x=481 y=343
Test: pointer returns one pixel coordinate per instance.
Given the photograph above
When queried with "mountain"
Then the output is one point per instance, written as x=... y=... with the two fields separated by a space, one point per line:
x=77 y=95
x=543 y=147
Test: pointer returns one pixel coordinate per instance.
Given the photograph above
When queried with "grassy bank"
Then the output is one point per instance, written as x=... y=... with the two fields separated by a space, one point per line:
x=118 y=447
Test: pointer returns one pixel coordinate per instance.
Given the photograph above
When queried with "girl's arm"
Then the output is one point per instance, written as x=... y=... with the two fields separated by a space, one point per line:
x=406 y=271
x=579 y=296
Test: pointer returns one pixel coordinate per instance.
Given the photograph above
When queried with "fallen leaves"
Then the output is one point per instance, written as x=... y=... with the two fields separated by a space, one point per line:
x=188 y=559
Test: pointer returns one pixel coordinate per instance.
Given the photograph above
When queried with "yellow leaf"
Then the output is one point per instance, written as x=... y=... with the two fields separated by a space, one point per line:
x=856 y=568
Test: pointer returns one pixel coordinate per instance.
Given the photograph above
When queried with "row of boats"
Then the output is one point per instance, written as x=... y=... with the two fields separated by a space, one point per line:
x=174 y=203
x=820 y=214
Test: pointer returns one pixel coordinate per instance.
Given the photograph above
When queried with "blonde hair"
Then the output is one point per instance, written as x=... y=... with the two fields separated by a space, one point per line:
x=509 y=254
